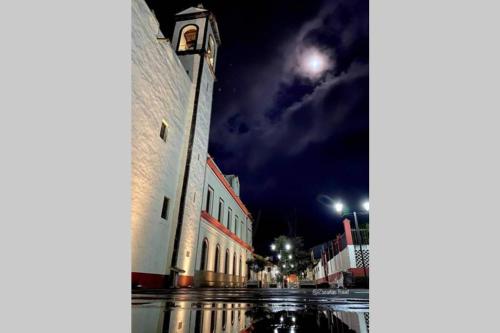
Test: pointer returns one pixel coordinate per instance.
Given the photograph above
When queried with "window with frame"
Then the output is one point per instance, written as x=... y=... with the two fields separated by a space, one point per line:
x=164 y=209
x=204 y=254
x=226 y=263
x=234 y=263
x=229 y=217
x=188 y=37
x=210 y=195
x=164 y=130
x=217 y=255
x=235 y=231
x=220 y=214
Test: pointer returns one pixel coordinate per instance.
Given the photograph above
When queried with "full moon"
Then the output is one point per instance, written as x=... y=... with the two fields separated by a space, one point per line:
x=313 y=63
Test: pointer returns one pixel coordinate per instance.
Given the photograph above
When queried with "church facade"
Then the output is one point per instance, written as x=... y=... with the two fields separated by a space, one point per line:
x=172 y=88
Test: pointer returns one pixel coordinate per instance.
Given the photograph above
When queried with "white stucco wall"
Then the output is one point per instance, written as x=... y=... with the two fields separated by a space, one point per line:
x=161 y=90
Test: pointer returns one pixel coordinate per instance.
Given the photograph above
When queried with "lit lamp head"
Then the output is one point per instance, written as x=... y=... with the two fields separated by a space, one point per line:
x=366 y=205
x=338 y=206
x=279 y=256
x=289 y=256
x=273 y=247
x=288 y=247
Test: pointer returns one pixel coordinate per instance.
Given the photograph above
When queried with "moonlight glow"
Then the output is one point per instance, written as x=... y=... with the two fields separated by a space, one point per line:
x=312 y=63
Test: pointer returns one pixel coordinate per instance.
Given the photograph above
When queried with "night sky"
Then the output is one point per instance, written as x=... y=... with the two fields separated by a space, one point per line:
x=290 y=129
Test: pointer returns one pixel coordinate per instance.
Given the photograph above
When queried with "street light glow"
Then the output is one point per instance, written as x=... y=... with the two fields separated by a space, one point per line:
x=284 y=266
x=366 y=205
x=291 y=265
x=338 y=207
x=288 y=246
x=279 y=256
x=273 y=247
x=289 y=256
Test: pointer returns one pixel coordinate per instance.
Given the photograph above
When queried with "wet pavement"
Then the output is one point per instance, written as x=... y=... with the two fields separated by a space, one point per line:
x=250 y=310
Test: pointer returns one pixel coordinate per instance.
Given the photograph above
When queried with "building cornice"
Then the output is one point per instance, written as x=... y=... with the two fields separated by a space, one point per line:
x=228 y=187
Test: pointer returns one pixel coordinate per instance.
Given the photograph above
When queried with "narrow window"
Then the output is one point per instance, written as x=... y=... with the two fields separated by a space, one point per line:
x=164 y=210
x=242 y=230
x=234 y=264
x=211 y=51
x=210 y=195
x=220 y=215
x=216 y=264
x=229 y=217
x=235 y=231
x=163 y=131
x=226 y=264
x=204 y=253
x=240 y=267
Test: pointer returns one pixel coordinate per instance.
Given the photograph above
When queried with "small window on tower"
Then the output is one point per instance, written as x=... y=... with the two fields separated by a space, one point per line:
x=164 y=210
x=164 y=131
x=211 y=51
x=188 y=37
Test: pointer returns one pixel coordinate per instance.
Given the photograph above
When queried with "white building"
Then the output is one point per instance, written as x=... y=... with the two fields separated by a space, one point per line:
x=225 y=236
x=172 y=84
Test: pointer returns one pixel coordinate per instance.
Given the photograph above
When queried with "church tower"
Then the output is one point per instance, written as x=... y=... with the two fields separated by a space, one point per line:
x=195 y=40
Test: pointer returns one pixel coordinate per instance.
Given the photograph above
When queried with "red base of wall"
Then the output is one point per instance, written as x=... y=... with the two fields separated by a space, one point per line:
x=149 y=280
x=159 y=281
x=332 y=278
x=185 y=281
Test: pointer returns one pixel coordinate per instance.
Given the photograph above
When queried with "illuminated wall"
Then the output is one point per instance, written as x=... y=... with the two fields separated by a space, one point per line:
x=161 y=91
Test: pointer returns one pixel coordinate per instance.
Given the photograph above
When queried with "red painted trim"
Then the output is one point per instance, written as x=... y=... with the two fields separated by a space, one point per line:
x=348 y=233
x=149 y=280
x=185 y=281
x=228 y=187
x=213 y=221
x=358 y=271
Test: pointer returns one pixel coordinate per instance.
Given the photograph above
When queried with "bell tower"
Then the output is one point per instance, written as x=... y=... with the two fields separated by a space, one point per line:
x=195 y=40
x=196 y=33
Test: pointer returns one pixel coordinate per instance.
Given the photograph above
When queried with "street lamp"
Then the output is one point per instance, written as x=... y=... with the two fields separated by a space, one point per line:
x=273 y=247
x=338 y=206
x=289 y=256
x=279 y=256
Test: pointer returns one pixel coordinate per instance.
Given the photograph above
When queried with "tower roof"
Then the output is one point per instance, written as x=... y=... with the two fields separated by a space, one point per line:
x=192 y=10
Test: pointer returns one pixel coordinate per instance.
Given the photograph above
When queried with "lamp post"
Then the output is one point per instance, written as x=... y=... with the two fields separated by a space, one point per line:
x=279 y=255
x=366 y=205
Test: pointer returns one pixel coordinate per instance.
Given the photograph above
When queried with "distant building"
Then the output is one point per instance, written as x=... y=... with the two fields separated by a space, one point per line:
x=340 y=262
x=172 y=88
x=225 y=236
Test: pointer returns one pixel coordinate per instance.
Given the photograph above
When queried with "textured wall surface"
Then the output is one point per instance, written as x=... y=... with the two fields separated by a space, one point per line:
x=161 y=90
